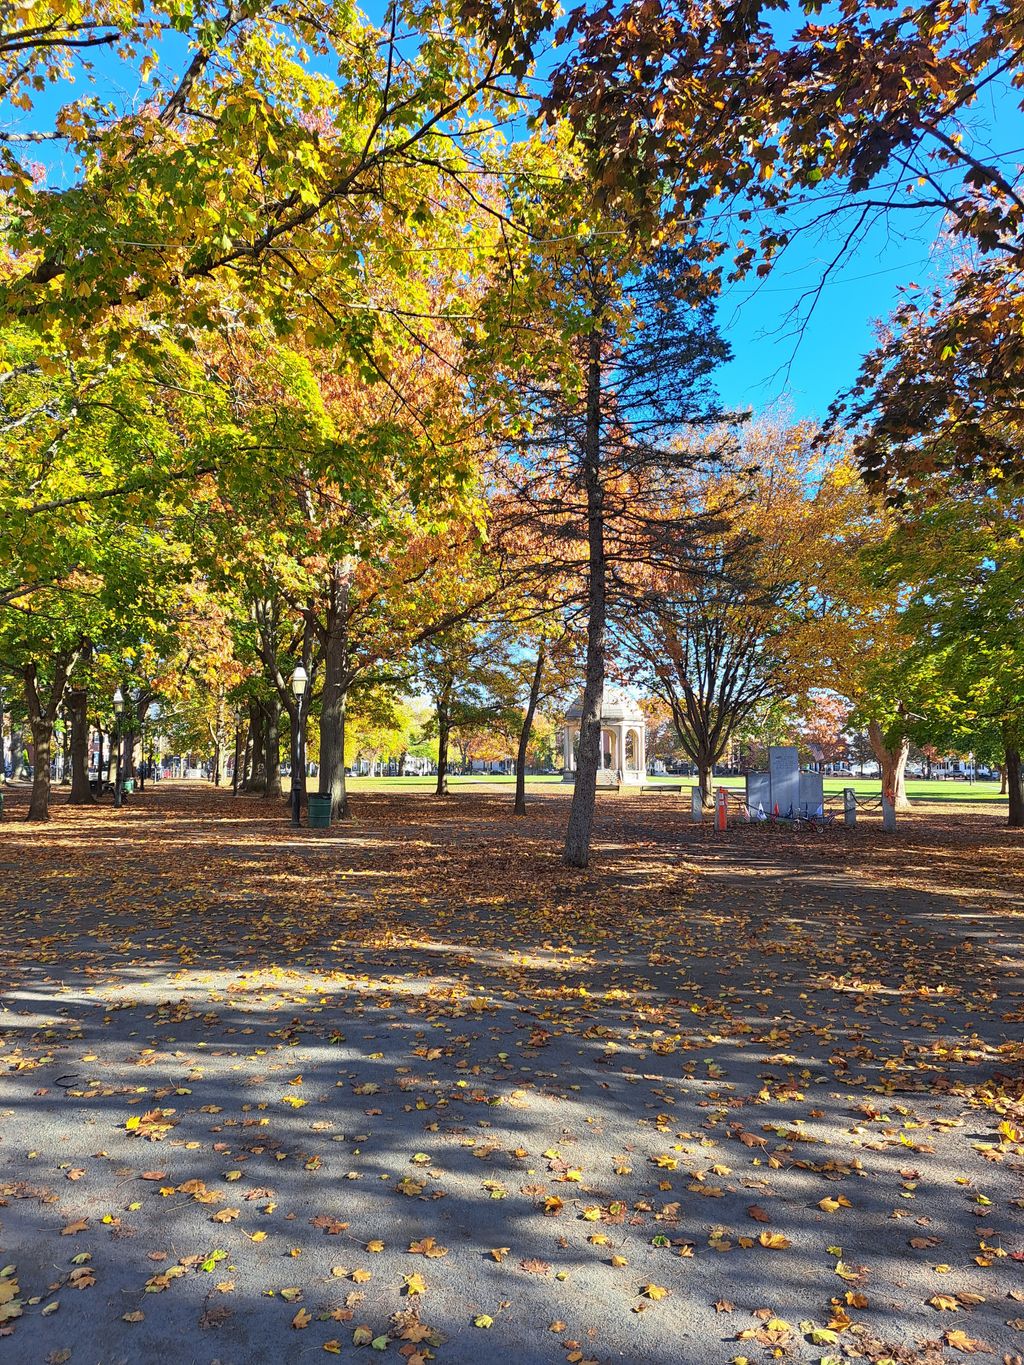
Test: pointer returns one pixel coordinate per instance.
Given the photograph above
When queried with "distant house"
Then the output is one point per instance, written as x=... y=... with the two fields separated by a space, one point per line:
x=494 y=766
x=416 y=765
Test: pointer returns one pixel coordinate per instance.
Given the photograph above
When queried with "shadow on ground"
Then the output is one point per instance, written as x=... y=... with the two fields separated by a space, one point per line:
x=775 y=1075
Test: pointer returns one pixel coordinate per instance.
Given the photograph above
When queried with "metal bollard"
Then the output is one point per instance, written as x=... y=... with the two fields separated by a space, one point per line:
x=696 y=805
x=849 y=806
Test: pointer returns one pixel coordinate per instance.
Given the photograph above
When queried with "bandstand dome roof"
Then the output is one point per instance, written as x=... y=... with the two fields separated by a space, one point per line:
x=616 y=705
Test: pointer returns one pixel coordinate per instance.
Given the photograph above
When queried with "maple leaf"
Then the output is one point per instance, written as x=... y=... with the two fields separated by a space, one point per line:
x=415 y=1284
x=416 y=1332
x=302 y=1319
x=426 y=1246
x=960 y=1341
x=654 y=1291
x=153 y=1125
x=534 y=1266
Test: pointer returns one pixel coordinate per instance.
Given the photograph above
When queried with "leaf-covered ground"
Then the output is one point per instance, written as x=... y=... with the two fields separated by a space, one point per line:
x=412 y=1087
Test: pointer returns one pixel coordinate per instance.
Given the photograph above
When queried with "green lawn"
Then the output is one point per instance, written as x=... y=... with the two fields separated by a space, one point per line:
x=864 y=786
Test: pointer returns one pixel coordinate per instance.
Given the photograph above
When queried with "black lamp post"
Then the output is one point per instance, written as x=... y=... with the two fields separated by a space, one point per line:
x=118 y=771
x=299 y=680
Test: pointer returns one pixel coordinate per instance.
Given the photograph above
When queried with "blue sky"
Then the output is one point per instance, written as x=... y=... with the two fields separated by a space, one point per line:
x=772 y=366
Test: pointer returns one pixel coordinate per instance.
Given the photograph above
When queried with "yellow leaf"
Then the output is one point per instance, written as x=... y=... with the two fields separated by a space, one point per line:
x=774 y=1241
x=654 y=1291
x=415 y=1284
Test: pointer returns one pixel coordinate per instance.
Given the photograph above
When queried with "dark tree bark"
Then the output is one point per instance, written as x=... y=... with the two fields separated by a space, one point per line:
x=248 y=759
x=256 y=773
x=524 y=733
x=17 y=753
x=1014 y=772
x=443 y=707
x=65 y=744
x=41 y=714
x=584 y=794
x=81 y=793
x=236 y=775
x=337 y=681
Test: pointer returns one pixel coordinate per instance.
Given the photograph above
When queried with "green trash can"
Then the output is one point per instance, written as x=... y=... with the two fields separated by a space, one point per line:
x=319 y=810
x=129 y=784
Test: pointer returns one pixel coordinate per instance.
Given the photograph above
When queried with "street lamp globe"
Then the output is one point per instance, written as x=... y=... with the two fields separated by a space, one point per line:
x=299 y=680
x=118 y=702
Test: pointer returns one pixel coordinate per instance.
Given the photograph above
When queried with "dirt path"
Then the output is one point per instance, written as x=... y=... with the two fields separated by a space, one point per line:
x=245 y=1071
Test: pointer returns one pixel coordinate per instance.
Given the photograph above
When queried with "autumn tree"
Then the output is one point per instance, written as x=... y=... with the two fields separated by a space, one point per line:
x=957 y=564
x=96 y=461
x=823 y=726
x=738 y=623
x=623 y=368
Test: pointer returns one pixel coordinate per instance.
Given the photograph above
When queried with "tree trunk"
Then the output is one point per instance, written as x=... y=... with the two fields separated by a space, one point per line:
x=272 y=745
x=255 y=778
x=1013 y=774
x=584 y=792
x=236 y=765
x=704 y=782
x=524 y=733
x=1015 y=788
x=443 y=705
x=65 y=746
x=893 y=762
x=248 y=759
x=81 y=792
x=41 y=717
x=42 y=737
x=336 y=685
x=17 y=753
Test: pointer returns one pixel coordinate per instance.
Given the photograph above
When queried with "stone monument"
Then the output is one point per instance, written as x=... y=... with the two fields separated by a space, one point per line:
x=784 y=790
